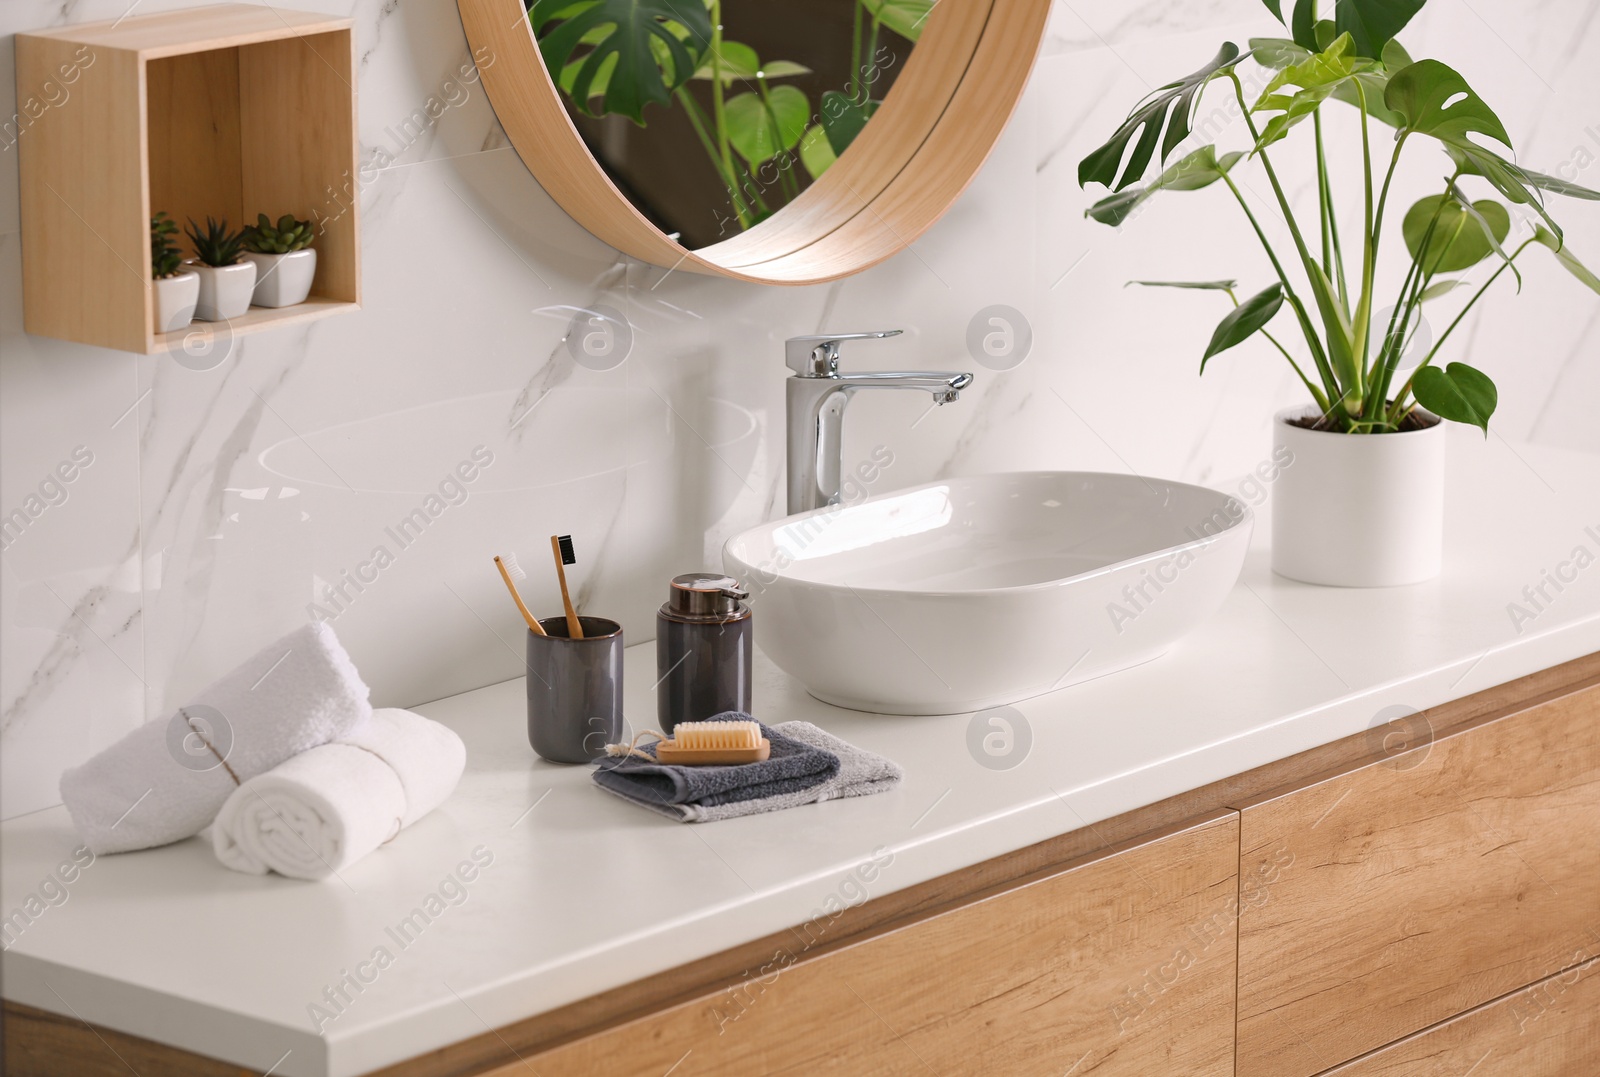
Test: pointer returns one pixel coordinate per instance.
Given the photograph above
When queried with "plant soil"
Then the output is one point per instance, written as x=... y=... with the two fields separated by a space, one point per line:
x=1413 y=421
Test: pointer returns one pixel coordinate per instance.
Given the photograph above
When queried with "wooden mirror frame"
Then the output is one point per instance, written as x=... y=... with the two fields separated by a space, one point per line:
x=925 y=143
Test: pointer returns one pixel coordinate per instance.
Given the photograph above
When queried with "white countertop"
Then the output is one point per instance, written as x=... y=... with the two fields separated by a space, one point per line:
x=585 y=892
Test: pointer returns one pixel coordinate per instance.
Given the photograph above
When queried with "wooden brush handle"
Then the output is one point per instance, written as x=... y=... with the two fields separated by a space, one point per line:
x=574 y=627
x=533 y=623
x=670 y=754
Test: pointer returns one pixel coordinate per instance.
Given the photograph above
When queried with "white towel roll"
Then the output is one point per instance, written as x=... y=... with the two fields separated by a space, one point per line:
x=327 y=808
x=166 y=780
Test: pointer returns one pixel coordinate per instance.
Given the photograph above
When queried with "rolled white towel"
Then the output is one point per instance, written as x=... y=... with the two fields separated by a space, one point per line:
x=166 y=780
x=329 y=807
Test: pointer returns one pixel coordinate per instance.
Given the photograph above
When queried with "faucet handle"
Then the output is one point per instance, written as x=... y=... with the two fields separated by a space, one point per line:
x=818 y=356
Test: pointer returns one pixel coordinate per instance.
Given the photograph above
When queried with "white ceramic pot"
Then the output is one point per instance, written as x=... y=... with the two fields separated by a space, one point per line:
x=176 y=297
x=282 y=280
x=1354 y=510
x=224 y=290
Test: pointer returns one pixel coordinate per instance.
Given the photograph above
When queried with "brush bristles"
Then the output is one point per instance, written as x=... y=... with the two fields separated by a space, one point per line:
x=510 y=561
x=568 y=557
x=716 y=736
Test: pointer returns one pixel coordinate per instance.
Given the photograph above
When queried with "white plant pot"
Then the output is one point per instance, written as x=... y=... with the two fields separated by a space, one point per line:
x=224 y=290
x=176 y=297
x=282 y=280
x=1357 y=510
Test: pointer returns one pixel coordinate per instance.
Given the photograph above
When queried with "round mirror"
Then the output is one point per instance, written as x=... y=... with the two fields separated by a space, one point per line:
x=767 y=141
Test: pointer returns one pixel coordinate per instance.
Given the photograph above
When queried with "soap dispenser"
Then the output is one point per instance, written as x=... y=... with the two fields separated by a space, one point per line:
x=703 y=650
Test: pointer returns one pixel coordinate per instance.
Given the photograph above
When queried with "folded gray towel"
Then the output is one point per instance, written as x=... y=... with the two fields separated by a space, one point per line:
x=791 y=767
x=860 y=773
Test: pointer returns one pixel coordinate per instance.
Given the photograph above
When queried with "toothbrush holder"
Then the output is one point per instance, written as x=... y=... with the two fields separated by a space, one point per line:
x=574 y=689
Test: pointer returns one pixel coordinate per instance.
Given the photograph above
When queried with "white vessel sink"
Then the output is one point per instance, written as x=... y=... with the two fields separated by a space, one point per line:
x=981 y=591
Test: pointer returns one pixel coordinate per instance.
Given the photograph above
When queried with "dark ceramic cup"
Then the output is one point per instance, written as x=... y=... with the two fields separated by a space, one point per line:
x=574 y=689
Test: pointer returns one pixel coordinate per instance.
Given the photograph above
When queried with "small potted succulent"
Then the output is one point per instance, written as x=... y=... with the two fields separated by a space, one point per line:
x=285 y=262
x=1363 y=503
x=226 y=281
x=177 y=289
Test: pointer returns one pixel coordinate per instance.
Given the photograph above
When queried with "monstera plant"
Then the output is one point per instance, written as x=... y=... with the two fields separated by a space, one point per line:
x=1357 y=495
x=618 y=57
x=1351 y=361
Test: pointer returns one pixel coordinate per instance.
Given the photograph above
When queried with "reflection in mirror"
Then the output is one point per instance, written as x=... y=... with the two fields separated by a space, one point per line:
x=712 y=115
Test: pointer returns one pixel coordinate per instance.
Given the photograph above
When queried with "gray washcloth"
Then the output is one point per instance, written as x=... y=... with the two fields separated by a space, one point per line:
x=792 y=766
x=861 y=773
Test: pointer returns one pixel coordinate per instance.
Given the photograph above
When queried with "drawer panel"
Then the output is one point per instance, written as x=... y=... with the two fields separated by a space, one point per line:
x=1421 y=886
x=1120 y=966
x=1551 y=1029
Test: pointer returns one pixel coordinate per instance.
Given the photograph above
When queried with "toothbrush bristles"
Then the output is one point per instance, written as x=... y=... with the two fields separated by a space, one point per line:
x=568 y=557
x=510 y=561
x=506 y=571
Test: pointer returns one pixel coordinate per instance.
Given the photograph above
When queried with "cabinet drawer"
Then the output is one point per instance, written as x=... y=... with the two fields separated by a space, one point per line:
x=1123 y=965
x=1420 y=886
x=1551 y=1029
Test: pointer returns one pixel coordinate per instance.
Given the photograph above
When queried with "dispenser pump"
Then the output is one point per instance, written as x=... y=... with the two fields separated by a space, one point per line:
x=700 y=596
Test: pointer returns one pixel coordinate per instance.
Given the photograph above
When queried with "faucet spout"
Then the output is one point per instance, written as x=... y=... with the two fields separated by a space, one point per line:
x=945 y=387
x=817 y=396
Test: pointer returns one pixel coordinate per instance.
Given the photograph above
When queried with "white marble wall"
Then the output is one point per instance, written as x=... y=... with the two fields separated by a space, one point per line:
x=217 y=500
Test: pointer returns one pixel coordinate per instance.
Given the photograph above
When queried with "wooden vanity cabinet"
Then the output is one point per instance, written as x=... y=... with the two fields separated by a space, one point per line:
x=1422 y=885
x=1119 y=965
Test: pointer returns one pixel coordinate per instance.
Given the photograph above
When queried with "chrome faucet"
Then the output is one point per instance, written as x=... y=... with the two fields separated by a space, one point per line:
x=817 y=395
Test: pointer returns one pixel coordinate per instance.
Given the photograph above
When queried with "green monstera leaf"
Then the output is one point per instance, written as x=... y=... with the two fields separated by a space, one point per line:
x=763 y=128
x=764 y=123
x=1301 y=21
x=1171 y=109
x=1192 y=172
x=816 y=153
x=843 y=118
x=1371 y=24
x=1556 y=185
x=1435 y=100
x=1314 y=80
x=1568 y=260
x=1459 y=393
x=1374 y=23
x=1244 y=321
x=739 y=63
x=1197 y=285
x=1460 y=239
x=1439 y=288
x=1279 y=53
x=1317 y=69
x=631 y=44
x=1276 y=53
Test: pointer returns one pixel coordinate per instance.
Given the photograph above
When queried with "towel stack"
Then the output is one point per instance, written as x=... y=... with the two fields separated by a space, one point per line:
x=806 y=766
x=329 y=807
x=284 y=758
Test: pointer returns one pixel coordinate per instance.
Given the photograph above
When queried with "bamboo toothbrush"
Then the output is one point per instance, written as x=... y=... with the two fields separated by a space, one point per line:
x=506 y=574
x=561 y=547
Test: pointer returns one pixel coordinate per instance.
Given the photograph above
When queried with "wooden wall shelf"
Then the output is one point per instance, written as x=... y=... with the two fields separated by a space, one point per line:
x=224 y=111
